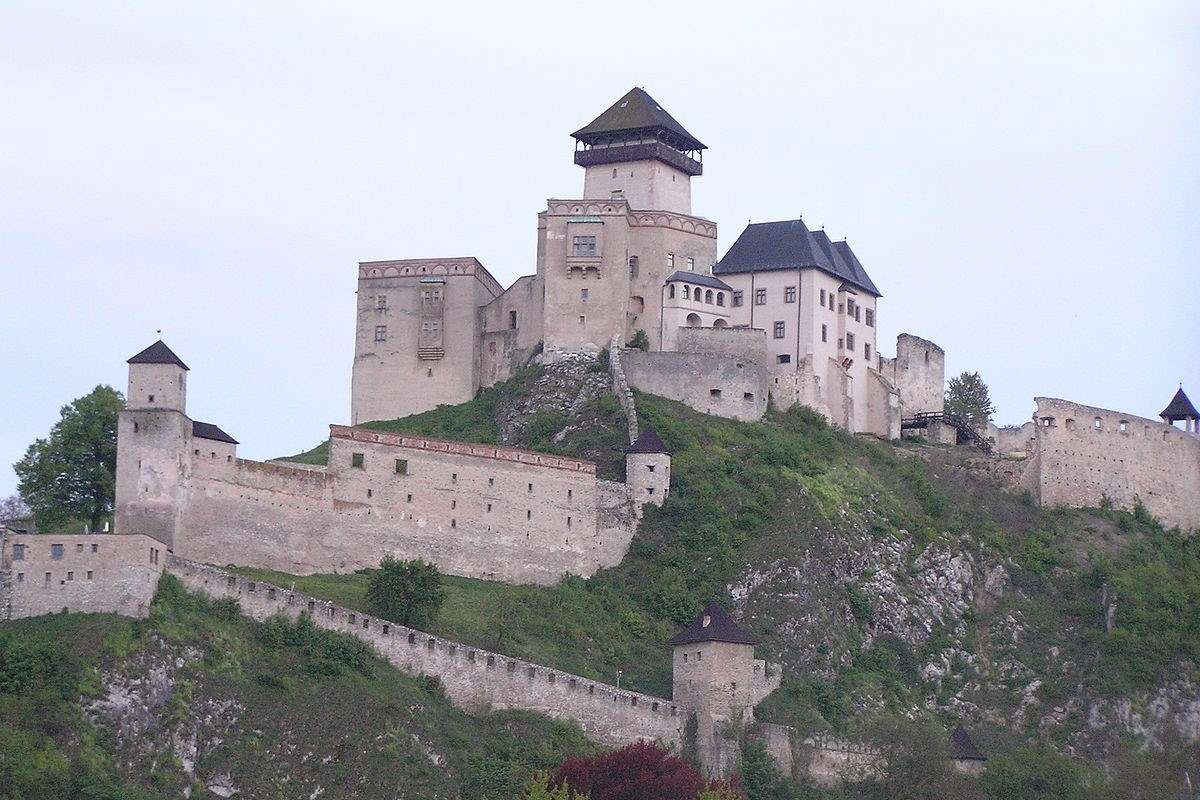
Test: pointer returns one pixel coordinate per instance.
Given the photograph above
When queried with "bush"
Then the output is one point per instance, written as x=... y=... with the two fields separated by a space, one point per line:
x=1033 y=774
x=640 y=341
x=408 y=592
x=641 y=771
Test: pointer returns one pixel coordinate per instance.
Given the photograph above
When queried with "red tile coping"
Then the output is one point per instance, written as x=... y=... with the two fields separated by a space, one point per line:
x=462 y=448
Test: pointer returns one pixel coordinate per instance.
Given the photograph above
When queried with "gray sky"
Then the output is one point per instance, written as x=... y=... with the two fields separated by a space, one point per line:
x=1022 y=180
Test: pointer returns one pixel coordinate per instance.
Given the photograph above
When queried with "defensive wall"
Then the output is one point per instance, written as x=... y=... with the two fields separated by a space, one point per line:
x=724 y=386
x=918 y=372
x=96 y=572
x=1085 y=454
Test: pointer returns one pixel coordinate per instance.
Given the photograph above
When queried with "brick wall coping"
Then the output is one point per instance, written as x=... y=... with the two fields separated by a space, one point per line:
x=463 y=448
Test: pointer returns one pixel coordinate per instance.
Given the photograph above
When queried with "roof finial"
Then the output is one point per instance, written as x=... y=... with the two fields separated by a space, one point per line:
x=159 y=332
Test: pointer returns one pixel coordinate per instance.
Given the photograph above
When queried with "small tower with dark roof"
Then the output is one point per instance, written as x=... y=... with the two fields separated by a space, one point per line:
x=1180 y=409
x=648 y=469
x=157 y=379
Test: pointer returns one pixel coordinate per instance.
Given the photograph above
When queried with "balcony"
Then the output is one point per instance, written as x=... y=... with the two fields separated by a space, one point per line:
x=646 y=151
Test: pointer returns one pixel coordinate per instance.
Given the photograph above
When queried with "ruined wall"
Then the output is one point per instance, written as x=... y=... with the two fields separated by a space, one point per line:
x=97 y=573
x=512 y=329
x=918 y=372
x=1085 y=454
x=481 y=511
x=474 y=679
x=719 y=385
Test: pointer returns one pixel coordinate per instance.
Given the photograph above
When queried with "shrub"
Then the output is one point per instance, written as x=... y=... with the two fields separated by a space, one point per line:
x=641 y=771
x=408 y=592
x=640 y=341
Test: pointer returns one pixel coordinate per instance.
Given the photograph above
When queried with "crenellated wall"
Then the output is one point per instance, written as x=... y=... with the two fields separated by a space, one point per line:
x=474 y=679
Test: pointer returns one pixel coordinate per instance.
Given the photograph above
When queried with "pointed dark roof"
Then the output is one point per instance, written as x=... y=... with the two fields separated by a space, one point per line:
x=647 y=442
x=1180 y=407
x=789 y=244
x=206 y=430
x=634 y=113
x=157 y=353
x=962 y=746
x=713 y=625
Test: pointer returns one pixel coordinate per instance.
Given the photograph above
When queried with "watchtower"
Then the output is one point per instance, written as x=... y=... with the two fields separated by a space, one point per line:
x=648 y=469
x=1180 y=409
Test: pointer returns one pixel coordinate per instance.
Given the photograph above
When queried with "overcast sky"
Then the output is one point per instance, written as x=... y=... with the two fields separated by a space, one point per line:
x=1021 y=179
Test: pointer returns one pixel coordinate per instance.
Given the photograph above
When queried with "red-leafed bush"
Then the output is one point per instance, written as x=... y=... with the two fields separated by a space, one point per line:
x=642 y=771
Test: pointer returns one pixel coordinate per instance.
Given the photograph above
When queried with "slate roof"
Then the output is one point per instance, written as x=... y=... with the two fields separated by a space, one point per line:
x=206 y=430
x=157 y=353
x=789 y=244
x=1180 y=407
x=713 y=625
x=962 y=746
x=637 y=112
x=699 y=279
x=647 y=441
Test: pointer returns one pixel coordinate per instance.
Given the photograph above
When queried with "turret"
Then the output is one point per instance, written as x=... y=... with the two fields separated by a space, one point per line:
x=648 y=469
x=157 y=380
x=1180 y=409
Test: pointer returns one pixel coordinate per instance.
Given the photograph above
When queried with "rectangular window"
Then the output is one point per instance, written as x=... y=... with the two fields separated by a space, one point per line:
x=95 y=547
x=785 y=358
x=90 y=574
x=47 y=578
x=401 y=466
x=849 y=341
x=691 y=265
x=18 y=552
x=714 y=392
x=512 y=320
x=381 y=302
x=70 y=576
x=56 y=551
x=824 y=333
x=670 y=260
x=583 y=295
x=583 y=246
x=822 y=297
x=381 y=333
x=871 y=317
x=357 y=460
x=867 y=350
x=789 y=294
x=737 y=299
x=779 y=329
x=760 y=297
x=831 y=301
x=20 y=577
x=858 y=313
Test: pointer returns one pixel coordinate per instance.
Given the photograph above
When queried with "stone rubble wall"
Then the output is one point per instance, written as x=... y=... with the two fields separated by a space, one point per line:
x=621 y=387
x=722 y=386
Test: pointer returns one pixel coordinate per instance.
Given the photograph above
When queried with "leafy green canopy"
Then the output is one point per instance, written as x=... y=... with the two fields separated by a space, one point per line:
x=71 y=474
x=408 y=592
x=967 y=397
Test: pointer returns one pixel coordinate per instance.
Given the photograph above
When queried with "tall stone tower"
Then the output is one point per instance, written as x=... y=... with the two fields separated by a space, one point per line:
x=648 y=469
x=605 y=257
x=153 y=433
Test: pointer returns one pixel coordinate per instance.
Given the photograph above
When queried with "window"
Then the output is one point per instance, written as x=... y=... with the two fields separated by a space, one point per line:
x=1097 y=424
x=401 y=466
x=79 y=547
x=720 y=298
x=491 y=481
x=736 y=301
x=687 y=292
x=381 y=333
x=708 y=297
x=760 y=297
x=822 y=297
x=633 y=266
x=18 y=552
x=530 y=489
x=583 y=295
x=831 y=301
x=408 y=499
x=381 y=302
x=870 y=317
x=840 y=344
x=70 y=576
x=582 y=319
x=867 y=350
x=56 y=551
x=671 y=291
x=784 y=358
x=858 y=313
x=747 y=395
x=779 y=329
x=90 y=574
x=1123 y=426
x=356 y=460
x=670 y=260
x=714 y=392
x=789 y=294
x=691 y=265
x=824 y=333
x=20 y=577
x=454 y=477
x=849 y=341
x=150 y=399
x=512 y=320
x=583 y=246
x=47 y=578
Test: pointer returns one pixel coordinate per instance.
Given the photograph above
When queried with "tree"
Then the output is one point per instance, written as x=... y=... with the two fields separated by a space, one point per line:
x=640 y=341
x=71 y=474
x=640 y=771
x=539 y=788
x=13 y=507
x=967 y=397
x=1033 y=773
x=913 y=762
x=761 y=779
x=408 y=592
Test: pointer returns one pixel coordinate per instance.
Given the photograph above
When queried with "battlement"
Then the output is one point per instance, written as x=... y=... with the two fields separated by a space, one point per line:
x=513 y=454
x=429 y=267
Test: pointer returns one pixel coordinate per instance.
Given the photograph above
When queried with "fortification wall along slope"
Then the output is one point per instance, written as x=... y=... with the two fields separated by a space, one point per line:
x=741 y=342
x=474 y=679
x=723 y=386
x=474 y=510
x=1085 y=454
x=96 y=573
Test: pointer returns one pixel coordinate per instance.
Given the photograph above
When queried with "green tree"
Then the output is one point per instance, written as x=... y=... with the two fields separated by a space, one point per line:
x=71 y=474
x=408 y=592
x=968 y=397
x=640 y=341
x=539 y=788
x=1033 y=774
x=761 y=779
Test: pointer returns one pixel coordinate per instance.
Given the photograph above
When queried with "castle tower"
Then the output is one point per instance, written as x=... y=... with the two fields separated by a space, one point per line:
x=636 y=150
x=153 y=434
x=1180 y=409
x=648 y=469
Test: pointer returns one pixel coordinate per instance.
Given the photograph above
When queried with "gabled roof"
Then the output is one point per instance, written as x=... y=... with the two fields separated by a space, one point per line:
x=157 y=353
x=962 y=746
x=637 y=112
x=206 y=430
x=1180 y=407
x=789 y=244
x=713 y=625
x=699 y=279
x=647 y=441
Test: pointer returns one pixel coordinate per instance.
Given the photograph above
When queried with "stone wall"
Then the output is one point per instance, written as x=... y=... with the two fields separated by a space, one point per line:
x=1085 y=454
x=97 y=573
x=620 y=387
x=723 y=386
x=474 y=679
x=918 y=372
x=746 y=343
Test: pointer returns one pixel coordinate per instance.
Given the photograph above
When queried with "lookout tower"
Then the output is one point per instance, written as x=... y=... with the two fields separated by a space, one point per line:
x=637 y=151
x=1180 y=409
x=648 y=469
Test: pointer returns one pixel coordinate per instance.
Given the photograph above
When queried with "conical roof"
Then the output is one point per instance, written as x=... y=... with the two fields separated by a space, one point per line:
x=647 y=442
x=157 y=353
x=713 y=625
x=637 y=111
x=962 y=746
x=1180 y=407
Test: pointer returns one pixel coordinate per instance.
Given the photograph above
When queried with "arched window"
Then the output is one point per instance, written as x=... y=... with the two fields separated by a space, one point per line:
x=708 y=297
x=693 y=320
x=686 y=292
x=671 y=291
x=720 y=298
x=719 y=323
